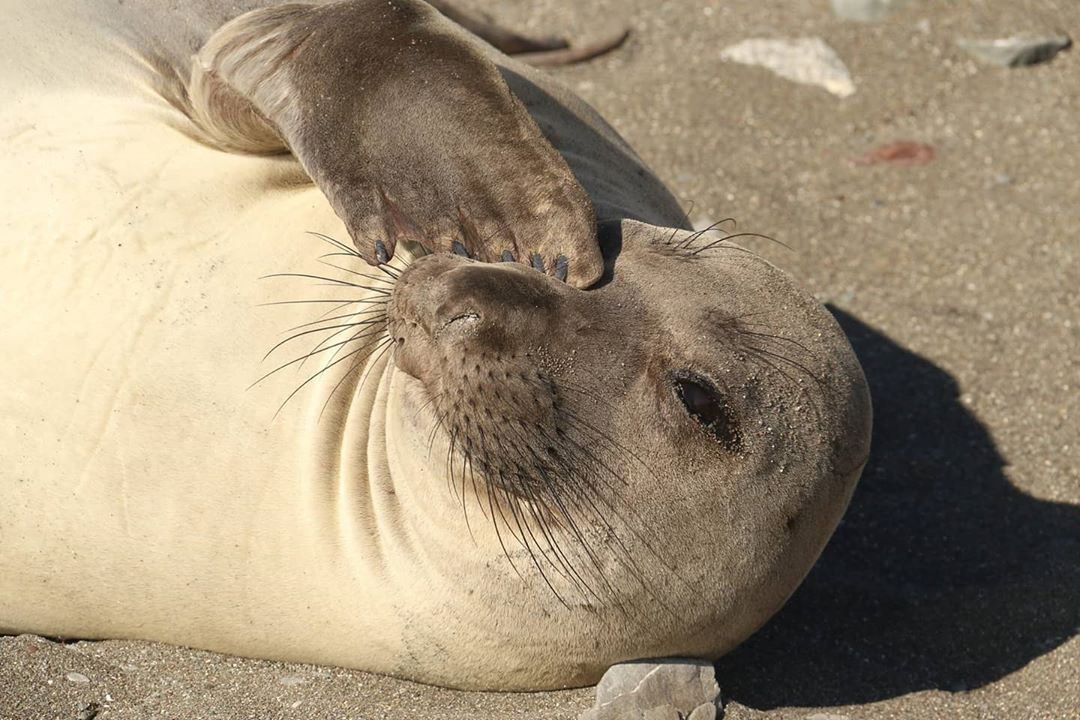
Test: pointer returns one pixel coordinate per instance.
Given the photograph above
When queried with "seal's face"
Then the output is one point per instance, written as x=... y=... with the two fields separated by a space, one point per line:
x=691 y=399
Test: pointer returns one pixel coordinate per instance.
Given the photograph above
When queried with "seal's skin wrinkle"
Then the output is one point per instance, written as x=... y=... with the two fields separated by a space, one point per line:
x=451 y=467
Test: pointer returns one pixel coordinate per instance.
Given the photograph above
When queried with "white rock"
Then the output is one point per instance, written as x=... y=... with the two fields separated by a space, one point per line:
x=77 y=677
x=1017 y=50
x=803 y=60
x=866 y=10
x=656 y=690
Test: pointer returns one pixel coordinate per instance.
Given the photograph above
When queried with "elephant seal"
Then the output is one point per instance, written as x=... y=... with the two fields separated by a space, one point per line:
x=465 y=473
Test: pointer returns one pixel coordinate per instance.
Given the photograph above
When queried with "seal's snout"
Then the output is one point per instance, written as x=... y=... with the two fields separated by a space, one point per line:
x=447 y=307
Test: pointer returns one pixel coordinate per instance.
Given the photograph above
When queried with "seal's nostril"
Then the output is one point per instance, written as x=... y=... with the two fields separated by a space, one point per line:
x=462 y=317
x=461 y=321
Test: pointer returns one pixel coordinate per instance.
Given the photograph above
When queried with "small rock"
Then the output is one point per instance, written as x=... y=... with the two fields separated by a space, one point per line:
x=89 y=712
x=292 y=680
x=77 y=677
x=809 y=61
x=866 y=10
x=654 y=689
x=1018 y=50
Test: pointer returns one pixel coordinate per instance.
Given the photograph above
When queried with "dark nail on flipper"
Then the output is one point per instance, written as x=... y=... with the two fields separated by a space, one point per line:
x=562 y=266
x=537 y=263
x=507 y=256
x=459 y=249
x=380 y=252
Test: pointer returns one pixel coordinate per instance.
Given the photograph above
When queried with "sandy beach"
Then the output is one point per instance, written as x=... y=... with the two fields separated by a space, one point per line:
x=952 y=588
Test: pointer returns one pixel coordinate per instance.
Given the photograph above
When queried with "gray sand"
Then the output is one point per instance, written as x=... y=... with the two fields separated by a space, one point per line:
x=952 y=589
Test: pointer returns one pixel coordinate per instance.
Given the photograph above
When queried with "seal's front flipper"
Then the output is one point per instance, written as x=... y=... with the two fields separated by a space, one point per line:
x=405 y=125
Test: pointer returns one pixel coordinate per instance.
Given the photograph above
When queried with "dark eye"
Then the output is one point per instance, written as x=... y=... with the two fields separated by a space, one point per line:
x=706 y=406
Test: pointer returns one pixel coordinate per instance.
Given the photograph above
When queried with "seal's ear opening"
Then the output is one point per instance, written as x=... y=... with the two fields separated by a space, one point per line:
x=609 y=235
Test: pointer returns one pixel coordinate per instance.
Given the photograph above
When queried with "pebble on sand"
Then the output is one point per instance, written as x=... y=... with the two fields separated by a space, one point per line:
x=88 y=712
x=77 y=677
x=866 y=10
x=803 y=60
x=1018 y=50
x=657 y=690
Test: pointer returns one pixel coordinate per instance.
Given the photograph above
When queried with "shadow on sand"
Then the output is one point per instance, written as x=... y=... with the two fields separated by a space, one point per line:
x=942 y=575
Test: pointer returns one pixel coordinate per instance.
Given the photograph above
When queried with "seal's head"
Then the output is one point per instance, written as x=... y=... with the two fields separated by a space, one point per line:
x=675 y=444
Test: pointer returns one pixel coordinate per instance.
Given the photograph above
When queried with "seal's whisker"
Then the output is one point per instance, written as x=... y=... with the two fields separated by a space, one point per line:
x=498 y=535
x=697 y=234
x=787 y=361
x=304 y=333
x=376 y=353
x=364 y=333
x=464 y=505
x=514 y=507
x=564 y=567
x=336 y=243
x=390 y=271
x=534 y=498
x=320 y=372
x=300 y=359
x=372 y=306
x=373 y=278
x=381 y=316
x=626 y=515
x=714 y=243
x=341 y=303
x=331 y=281
x=766 y=358
x=741 y=329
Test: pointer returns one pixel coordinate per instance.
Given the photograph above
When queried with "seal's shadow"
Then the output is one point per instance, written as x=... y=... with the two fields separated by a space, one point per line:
x=942 y=575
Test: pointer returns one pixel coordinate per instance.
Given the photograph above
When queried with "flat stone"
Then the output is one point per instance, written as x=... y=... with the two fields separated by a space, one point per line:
x=866 y=10
x=1018 y=50
x=77 y=677
x=664 y=712
x=703 y=712
x=808 y=60
x=654 y=689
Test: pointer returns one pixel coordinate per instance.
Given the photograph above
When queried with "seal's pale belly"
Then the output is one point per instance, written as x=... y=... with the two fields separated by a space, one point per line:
x=132 y=332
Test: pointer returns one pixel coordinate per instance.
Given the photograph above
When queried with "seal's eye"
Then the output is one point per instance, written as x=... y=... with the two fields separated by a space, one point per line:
x=705 y=405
